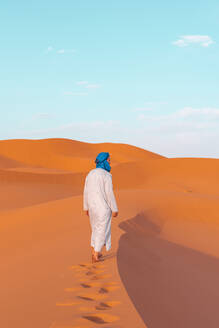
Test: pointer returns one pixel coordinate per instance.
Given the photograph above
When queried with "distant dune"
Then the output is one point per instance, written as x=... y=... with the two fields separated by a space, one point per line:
x=6 y=163
x=163 y=269
x=66 y=154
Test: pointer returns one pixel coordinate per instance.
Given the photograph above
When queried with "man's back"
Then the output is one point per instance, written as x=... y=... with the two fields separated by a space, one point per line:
x=96 y=179
x=95 y=188
x=98 y=191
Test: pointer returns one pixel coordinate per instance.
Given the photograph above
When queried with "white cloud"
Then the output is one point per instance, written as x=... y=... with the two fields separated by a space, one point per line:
x=188 y=132
x=167 y=135
x=207 y=113
x=186 y=40
x=70 y=93
x=186 y=120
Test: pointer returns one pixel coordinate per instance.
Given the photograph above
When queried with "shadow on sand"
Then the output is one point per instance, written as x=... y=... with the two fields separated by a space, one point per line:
x=170 y=285
x=109 y=256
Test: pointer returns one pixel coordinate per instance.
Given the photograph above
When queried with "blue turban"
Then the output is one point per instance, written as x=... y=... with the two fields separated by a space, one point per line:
x=101 y=161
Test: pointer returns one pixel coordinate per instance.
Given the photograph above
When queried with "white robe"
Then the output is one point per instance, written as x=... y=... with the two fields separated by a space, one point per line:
x=100 y=201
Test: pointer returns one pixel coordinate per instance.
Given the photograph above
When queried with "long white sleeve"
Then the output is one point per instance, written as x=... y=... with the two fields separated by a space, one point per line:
x=110 y=194
x=85 y=202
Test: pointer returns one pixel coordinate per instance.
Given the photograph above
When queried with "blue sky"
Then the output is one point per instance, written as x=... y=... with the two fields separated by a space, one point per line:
x=137 y=72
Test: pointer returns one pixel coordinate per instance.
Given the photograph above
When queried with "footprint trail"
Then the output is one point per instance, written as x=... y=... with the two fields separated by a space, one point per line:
x=90 y=301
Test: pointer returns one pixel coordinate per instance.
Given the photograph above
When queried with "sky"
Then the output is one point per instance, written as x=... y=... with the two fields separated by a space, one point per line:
x=140 y=72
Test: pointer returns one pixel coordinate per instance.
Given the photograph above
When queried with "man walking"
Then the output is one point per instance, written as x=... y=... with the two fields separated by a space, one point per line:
x=99 y=204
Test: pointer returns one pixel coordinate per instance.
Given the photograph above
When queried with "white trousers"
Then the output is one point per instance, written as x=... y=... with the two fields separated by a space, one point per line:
x=101 y=229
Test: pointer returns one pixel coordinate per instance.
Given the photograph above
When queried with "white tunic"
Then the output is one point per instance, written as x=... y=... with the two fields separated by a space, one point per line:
x=100 y=201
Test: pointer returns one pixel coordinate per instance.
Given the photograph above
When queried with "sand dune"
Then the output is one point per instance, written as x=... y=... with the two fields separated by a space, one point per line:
x=68 y=154
x=176 y=286
x=6 y=163
x=163 y=268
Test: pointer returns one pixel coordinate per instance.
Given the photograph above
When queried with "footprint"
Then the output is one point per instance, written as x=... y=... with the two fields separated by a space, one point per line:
x=107 y=305
x=103 y=290
x=99 y=277
x=91 y=297
x=102 y=306
x=89 y=283
x=86 y=298
x=107 y=289
x=85 y=285
x=94 y=318
x=90 y=273
x=101 y=318
x=91 y=266
x=94 y=277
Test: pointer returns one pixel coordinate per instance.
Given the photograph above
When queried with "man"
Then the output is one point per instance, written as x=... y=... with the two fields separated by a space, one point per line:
x=99 y=204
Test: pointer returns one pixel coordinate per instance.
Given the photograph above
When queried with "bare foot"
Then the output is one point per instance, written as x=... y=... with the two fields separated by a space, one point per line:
x=93 y=252
x=96 y=257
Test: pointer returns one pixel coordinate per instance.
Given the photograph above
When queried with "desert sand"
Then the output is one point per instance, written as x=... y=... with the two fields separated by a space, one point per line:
x=163 y=268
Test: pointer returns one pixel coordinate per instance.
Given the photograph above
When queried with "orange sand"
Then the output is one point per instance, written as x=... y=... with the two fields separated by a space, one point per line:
x=163 y=268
